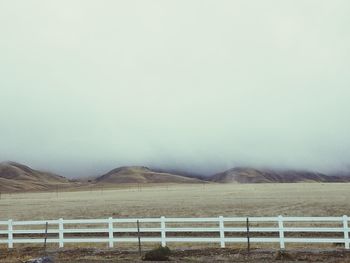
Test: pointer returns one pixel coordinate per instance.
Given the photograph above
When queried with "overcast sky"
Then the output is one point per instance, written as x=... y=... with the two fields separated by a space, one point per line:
x=87 y=86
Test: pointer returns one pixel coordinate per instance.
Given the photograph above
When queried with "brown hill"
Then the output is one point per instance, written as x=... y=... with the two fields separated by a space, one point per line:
x=18 y=177
x=250 y=175
x=142 y=175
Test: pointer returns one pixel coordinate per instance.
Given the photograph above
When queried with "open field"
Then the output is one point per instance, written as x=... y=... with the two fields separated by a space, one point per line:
x=198 y=200
x=185 y=200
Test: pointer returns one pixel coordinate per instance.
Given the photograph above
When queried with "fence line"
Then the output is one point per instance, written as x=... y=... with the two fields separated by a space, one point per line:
x=9 y=230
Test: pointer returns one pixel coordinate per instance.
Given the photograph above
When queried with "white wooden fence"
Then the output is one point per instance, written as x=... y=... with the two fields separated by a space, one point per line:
x=17 y=232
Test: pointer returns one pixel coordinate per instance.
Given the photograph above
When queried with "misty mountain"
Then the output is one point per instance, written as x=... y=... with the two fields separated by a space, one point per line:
x=19 y=177
x=141 y=175
x=191 y=174
x=251 y=175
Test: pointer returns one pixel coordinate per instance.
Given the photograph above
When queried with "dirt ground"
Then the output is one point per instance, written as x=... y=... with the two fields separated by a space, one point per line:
x=88 y=255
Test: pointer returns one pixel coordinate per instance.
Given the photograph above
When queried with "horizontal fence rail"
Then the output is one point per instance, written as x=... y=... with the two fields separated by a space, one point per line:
x=170 y=230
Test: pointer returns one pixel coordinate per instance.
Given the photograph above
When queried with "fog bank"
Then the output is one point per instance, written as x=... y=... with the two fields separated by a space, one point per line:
x=200 y=86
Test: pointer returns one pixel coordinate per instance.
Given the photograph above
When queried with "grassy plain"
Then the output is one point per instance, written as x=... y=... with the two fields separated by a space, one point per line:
x=182 y=200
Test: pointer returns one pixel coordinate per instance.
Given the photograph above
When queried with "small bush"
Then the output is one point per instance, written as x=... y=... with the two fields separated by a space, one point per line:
x=283 y=255
x=158 y=254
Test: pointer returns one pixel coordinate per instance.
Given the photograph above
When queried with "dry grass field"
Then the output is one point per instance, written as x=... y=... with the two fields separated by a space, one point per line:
x=196 y=200
x=185 y=200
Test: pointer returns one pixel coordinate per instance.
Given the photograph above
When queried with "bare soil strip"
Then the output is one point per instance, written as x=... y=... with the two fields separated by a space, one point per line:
x=88 y=255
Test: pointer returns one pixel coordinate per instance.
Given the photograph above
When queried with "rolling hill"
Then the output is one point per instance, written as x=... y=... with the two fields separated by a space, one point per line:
x=15 y=177
x=18 y=177
x=142 y=175
x=251 y=175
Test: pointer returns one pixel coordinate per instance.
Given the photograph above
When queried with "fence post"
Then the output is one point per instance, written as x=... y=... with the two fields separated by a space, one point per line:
x=248 y=236
x=45 y=238
x=110 y=232
x=222 y=231
x=163 y=233
x=10 y=233
x=281 y=231
x=346 y=232
x=138 y=236
x=61 y=232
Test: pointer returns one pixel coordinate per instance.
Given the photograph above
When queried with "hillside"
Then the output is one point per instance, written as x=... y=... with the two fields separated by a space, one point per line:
x=18 y=177
x=251 y=175
x=142 y=175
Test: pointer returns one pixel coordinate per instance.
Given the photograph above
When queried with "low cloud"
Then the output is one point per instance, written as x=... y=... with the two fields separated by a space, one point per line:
x=197 y=86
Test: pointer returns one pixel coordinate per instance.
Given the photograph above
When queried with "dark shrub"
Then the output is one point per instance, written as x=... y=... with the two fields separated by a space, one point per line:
x=157 y=254
x=283 y=255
